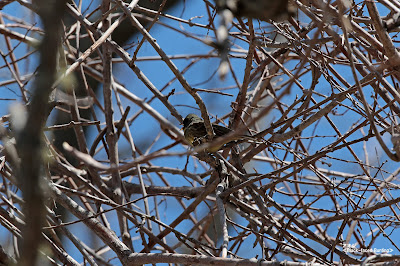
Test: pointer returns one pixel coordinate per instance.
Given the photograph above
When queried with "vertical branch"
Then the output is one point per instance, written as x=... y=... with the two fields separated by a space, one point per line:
x=111 y=134
x=241 y=98
x=223 y=172
x=29 y=140
x=107 y=93
x=222 y=35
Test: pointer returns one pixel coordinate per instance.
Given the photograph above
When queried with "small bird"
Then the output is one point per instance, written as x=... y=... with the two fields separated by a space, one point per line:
x=195 y=132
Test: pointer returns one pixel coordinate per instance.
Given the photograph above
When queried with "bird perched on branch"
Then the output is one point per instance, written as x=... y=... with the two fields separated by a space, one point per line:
x=195 y=132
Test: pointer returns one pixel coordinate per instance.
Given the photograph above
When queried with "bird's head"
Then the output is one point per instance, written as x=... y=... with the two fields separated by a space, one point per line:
x=190 y=118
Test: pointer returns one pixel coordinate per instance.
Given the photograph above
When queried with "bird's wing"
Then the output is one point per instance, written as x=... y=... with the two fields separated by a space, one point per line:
x=220 y=130
x=198 y=129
